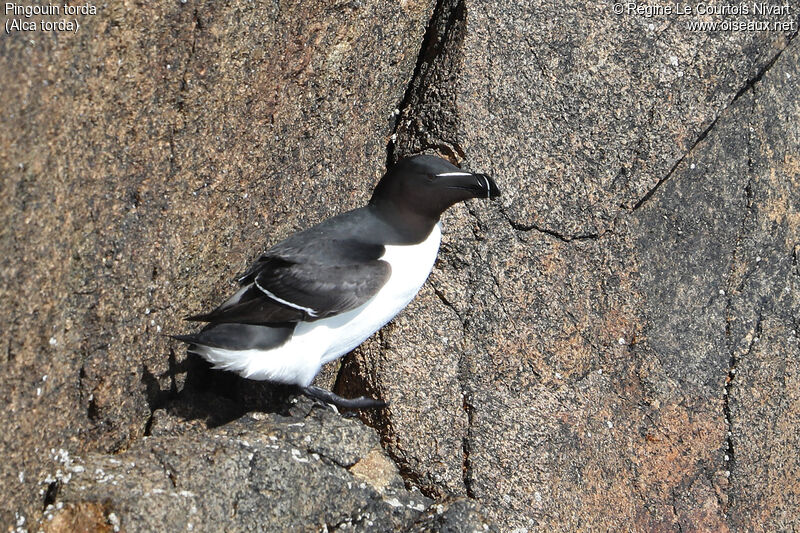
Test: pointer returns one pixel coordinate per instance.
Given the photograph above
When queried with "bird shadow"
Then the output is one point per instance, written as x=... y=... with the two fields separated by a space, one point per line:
x=197 y=392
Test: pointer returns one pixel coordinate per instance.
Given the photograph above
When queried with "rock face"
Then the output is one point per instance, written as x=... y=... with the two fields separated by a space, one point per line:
x=145 y=160
x=612 y=346
x=309 y=471
x=615 y=348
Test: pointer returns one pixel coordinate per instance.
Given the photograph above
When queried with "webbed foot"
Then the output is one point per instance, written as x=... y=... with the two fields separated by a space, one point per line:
x=362 y=402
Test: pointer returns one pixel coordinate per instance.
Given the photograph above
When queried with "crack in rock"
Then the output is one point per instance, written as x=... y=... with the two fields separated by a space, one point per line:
x=524 y=228
x=427 y=113
x=467 y=474
x=749 y=84
x=466 y=446
x=730 y=452
x=184 y=85
x=729 y=462
x=447 y=303
x=675 y=511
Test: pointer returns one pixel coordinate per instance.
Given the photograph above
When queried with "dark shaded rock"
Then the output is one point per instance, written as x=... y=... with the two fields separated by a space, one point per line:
x=259 y=473
x=762 y=403
x=453 y=515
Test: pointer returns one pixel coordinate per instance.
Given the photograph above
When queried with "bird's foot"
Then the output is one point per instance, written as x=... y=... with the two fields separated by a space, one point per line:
x=329 y=397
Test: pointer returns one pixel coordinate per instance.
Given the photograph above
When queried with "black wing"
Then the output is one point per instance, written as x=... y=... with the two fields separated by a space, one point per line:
x=308 y=281
x=238 y=336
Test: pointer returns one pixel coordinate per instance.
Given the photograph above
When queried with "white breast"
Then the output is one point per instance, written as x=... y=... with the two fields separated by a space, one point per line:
x=316 y=343
x=411 y=266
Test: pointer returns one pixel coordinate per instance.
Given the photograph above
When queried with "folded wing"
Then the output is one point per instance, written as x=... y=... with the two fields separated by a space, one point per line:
x=295 y=282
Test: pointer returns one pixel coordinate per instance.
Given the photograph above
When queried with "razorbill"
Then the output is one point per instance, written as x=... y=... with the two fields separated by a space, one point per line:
x=320 y=293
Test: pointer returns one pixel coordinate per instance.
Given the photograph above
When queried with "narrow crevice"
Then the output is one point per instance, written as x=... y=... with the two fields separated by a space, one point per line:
x=148 y=425
x=429 y=42
x=466 y=447
x=468 y=406
x=760 y=74
x=443 y=32
x=730 y=453
x=92 y=409
x=751 y=82
x=733 y=363
x=649 y=194
x=466 y=403
x=439 y=294
x=733 y=287
x=51 y=494
x=12 y=327
x=517 y=226
x=85 y=400
x=171 y=140
x=675 y=511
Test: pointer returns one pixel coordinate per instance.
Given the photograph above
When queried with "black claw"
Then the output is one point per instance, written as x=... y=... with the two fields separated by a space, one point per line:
x=323 y=395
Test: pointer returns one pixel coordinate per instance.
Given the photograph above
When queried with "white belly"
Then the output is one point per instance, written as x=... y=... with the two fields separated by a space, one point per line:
x=316 y=343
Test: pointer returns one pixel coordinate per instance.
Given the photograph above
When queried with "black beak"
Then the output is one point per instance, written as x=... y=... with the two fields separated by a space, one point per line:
x=478 y=185
x=488 y=186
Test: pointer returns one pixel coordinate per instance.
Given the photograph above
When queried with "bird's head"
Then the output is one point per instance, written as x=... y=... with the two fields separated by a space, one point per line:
x=428 y=185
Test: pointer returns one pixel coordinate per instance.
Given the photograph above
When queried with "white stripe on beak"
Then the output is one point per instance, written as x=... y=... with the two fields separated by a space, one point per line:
x=454 y=174
x=488 y=188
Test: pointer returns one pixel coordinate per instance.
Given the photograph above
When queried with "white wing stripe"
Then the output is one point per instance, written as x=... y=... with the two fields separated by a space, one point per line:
x=308 y=310
x=454 y=174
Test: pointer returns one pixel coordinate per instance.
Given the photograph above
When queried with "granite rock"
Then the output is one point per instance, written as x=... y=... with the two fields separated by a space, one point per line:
x=612 y=345
x=585 y=355
x=262 y=472
x=144 y=161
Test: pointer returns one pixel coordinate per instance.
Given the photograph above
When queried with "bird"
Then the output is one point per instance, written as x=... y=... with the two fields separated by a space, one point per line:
x=317 y=295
